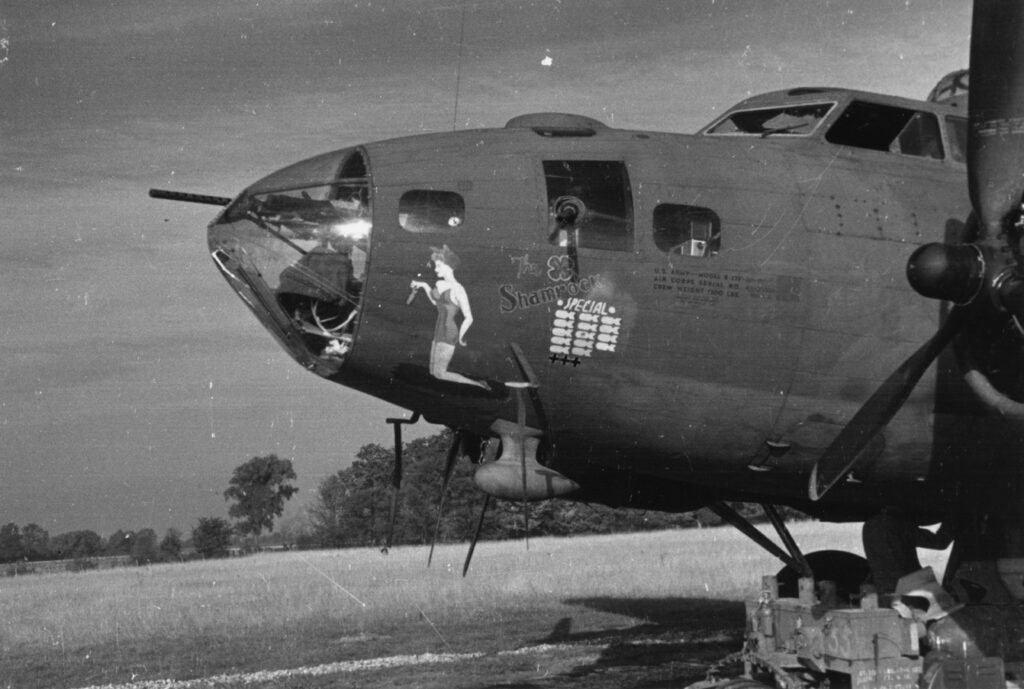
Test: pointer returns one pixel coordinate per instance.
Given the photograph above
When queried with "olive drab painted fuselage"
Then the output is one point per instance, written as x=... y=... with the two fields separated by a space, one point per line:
x=701 y=313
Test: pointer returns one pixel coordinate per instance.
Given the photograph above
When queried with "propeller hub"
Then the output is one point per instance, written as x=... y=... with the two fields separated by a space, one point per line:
x=948 y=272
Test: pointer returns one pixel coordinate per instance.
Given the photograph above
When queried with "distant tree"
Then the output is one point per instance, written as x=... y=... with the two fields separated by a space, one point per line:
x=211 y=537
x=352 y=507
x=120 y=543
x=36 y=541
x=326 y=514
x=260 y=488
x=294 y=529
x=144 y=547
x=11 y=546
x=77 y=544
x=170 y=547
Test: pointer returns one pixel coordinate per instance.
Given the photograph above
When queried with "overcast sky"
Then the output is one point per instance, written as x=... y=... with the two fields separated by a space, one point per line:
x=133 y=379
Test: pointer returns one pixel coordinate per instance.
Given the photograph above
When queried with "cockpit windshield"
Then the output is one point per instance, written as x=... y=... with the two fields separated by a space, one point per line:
x=792 y=120
x=295 y=247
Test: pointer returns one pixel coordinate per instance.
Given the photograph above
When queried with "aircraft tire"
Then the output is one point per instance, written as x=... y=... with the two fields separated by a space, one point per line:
x=848 y=570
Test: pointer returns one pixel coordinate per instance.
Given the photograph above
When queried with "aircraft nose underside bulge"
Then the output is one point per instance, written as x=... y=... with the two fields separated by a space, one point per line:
x=295 y=248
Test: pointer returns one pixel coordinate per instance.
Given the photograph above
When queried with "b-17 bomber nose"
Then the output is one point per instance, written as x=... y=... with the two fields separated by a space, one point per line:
x=294 y=246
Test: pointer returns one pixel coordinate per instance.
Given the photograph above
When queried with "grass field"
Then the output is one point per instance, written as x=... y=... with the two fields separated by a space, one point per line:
x=283 y=610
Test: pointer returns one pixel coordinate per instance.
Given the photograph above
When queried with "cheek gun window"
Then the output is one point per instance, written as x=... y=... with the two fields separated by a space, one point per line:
x=590 y=204
x=424 y=210
x=687 y=230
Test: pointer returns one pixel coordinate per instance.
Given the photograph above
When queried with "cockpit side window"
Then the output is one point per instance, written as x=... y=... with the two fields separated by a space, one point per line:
x=687 y=230
x=793 y=120
x=590 y=204
x=888 y=128
x=920 y=137
x=956 y=134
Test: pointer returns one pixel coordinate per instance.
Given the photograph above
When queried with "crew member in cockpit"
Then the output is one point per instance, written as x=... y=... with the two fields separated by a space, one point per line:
x=319 y=291
x=322 y=273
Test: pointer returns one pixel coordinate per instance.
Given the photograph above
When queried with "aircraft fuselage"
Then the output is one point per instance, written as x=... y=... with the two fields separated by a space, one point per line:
x=702 y=313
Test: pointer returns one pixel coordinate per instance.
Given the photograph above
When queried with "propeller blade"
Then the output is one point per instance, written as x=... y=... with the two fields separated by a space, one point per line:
x=841 y=456
x=449 y=469
x=995 y=160
x=476 y=533
x=991 y=266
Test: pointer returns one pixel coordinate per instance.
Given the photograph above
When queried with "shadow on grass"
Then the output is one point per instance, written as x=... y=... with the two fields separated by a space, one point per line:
x=683 y=614
x=672 y=644
x=600 y=643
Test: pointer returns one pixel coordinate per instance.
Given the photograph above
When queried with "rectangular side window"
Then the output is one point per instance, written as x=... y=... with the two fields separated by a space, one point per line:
x=426 y=210
x=687 y=230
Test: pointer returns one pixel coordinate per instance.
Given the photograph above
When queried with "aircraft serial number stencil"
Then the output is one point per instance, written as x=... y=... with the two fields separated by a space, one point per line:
x=709 y=288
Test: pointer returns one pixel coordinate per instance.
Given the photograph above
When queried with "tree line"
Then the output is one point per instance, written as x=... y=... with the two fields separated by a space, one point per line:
x=32 y=543
x=258 y=489
x=352 y=508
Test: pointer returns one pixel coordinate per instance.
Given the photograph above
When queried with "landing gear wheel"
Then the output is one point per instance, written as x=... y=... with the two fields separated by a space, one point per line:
x=849 y=571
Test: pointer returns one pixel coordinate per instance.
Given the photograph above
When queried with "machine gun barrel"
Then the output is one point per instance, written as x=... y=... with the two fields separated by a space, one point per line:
x=188 y=197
